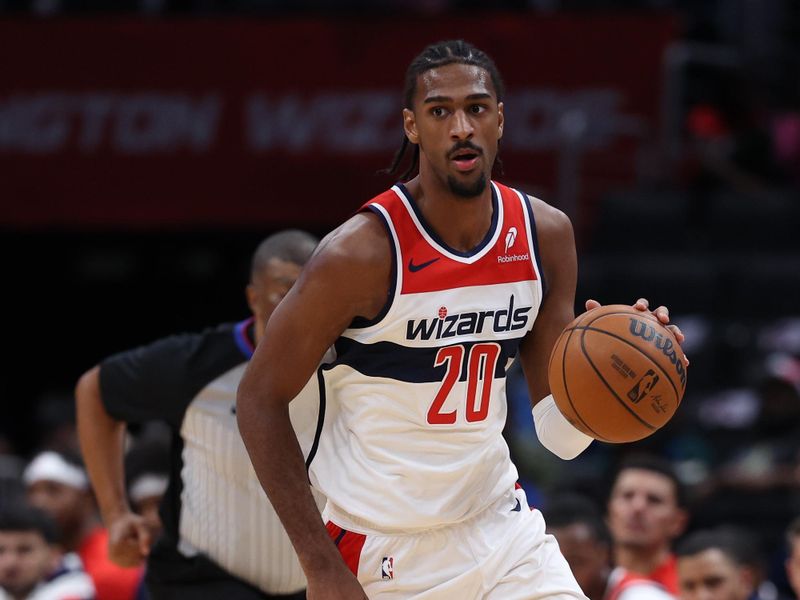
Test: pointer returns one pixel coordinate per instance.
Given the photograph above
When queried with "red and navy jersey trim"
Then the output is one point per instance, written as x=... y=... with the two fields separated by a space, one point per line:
x=362 y=322
x=534 y=240
x=435 y=237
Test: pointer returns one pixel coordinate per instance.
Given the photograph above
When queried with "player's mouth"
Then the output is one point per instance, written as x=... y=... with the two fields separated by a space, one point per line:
x=465 y=159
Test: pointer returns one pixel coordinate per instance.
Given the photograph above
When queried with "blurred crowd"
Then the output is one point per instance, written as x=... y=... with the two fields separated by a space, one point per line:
x=636 y=535
x=53 y=545
x=710 y=504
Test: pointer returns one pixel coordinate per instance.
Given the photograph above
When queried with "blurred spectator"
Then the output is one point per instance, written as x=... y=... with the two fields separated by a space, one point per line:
x=57 y=484
x=32 y=566
x=769 y=455
x=585 y=542
x=646 y=512
x=793 y=560
x=756 y=475
x=715 y=565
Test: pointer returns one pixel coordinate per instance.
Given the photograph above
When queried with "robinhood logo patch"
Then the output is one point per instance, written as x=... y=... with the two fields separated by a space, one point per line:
x=511 y=238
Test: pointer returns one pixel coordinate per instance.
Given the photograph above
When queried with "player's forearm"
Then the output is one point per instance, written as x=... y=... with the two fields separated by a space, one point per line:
x=278 y=462
x=101 y=439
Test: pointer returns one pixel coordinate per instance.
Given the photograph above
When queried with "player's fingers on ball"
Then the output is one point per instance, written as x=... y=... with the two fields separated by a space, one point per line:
x=662 y=314
x=676 y=331
x=592 y=304
x=641 y=304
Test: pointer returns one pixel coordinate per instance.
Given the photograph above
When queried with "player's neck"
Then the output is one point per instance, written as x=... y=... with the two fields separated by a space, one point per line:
x=461 y=222
x=640 y=560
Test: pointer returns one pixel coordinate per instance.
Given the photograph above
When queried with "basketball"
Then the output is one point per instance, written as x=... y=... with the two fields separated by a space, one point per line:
x=617 y=374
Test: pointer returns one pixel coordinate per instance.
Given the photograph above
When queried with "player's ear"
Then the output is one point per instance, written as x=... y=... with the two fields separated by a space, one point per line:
x=500 y=119
x=252 y=297
x=410 y=126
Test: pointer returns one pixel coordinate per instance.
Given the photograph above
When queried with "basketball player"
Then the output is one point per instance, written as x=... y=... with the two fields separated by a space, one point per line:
x=221 y=538
x=427 y=293
x=646 y=512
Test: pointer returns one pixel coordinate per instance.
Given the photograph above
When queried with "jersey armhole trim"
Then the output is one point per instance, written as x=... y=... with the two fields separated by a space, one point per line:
x=395 y=278
x=534 y=238
x=320 y=418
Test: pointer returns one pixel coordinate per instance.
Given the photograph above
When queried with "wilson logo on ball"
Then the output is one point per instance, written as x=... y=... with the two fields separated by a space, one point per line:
x=648 y=333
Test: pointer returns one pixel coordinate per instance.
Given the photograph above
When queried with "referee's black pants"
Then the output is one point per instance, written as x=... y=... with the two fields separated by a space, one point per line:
x=172 y=576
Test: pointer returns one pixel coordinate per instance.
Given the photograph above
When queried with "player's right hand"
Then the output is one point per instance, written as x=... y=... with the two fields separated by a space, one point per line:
x=338 y=584
x=128 y=540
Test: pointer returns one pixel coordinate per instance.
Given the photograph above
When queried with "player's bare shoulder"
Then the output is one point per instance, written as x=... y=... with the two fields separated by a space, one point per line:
x=354 y=261
x=552 y=224
x=556 y=239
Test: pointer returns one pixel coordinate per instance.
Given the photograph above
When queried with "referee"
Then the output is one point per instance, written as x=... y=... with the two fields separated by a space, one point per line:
x=221 y=537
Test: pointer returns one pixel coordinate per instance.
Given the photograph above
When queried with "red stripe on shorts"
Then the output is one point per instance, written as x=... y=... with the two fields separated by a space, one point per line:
x=349 y=545
x=517 y=486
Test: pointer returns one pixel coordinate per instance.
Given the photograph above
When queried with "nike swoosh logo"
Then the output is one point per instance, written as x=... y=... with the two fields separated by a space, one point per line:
x=414 y=268
x=517 y=508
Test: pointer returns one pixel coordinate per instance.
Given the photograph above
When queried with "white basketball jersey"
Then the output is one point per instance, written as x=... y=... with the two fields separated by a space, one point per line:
x=413 y=406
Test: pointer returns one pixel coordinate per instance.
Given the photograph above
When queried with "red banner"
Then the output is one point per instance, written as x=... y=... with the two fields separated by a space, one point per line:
x=265 y=123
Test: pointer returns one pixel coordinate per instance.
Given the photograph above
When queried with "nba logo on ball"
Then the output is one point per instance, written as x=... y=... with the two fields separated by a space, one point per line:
x=387 y=567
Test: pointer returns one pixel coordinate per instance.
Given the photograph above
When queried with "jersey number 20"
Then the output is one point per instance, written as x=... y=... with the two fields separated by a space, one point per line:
x=481 y=363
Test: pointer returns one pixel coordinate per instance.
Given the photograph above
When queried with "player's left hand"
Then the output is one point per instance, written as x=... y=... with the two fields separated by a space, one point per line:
x=661 y=313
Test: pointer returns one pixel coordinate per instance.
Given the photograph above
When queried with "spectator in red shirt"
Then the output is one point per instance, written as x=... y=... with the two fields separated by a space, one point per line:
x=585 y=542
x=646 y=512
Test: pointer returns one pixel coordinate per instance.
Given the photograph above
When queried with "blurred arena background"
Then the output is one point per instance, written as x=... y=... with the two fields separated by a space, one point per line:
x=146 y=146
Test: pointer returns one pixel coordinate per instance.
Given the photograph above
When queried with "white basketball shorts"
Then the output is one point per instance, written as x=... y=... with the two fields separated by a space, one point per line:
x=502 y=553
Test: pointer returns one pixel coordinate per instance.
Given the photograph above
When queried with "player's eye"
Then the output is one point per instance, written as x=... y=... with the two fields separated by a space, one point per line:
x=438 y=111
x=477 y=109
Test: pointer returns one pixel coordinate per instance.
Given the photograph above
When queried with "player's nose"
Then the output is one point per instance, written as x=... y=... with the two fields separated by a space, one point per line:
x=462 y=128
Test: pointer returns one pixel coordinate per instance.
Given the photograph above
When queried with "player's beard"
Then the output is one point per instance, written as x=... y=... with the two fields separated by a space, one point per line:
x=467 y=190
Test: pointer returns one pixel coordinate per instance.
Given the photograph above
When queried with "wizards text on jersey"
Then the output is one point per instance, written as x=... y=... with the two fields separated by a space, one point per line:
x=469 y=323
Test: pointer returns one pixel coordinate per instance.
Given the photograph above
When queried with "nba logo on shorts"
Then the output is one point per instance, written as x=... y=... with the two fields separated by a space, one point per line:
x=387 y=567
